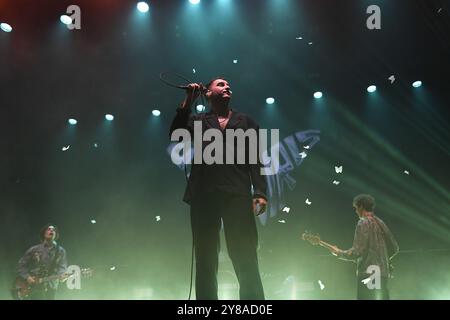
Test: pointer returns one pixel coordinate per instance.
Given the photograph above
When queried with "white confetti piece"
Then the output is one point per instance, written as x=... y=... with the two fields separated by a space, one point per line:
x=286 y=209
x=406 y=172
x=366 y=281
x=95 y=145
x=336 y=182
x=392 y=79
x=308 y=202
x=65 y=148
x=303 y=155
x=322 y=286
x=338 y=169
x=439 y=11
x=235 y=61
x=306 y=147
x=112 y=268
x=299 y=38
x=158 y=218
x=310 y=43
x=93 y=221
x=193 y=70
x=282 y=221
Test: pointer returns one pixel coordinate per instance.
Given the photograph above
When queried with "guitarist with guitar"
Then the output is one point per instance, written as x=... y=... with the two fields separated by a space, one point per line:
x=41 y=268
x=373 y=245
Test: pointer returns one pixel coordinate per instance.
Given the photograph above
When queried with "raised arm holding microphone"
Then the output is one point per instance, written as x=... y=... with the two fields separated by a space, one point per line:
x=223 y=193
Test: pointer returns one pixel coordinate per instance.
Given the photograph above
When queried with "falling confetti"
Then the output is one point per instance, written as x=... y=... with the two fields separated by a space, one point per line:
x=322 y=286
x=308 y=202
x=282 y=221
x=95 y=145
x=158 y=218
x=235 y=61
x=366 y=281
x=310 y=43
x=286 y=209
x=65 y=148
x=336 y=182
x=93 y=221
x=306 y=147
x=299 y=38
x=406 y=172
x=193 y=70
x=338 y=169
x=392 y=79
x=303 y=155
x=439 y=11
x=112 y=268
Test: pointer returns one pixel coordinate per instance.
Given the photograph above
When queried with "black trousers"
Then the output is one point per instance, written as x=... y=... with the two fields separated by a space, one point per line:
x=207 y=212
x=364 y=293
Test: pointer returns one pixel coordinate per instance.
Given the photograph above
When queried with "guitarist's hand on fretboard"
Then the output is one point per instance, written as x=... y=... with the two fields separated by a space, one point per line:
x=31 y=280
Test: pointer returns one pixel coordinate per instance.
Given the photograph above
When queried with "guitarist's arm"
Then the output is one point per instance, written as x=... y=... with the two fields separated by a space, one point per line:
x=23 y=268
x=360 y=242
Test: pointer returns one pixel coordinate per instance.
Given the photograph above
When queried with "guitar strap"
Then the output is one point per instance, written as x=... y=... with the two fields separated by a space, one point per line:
x=52 y=265
x=54 y=261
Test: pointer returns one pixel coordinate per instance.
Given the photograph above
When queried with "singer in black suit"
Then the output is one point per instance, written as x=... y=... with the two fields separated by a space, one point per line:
x=223 y=193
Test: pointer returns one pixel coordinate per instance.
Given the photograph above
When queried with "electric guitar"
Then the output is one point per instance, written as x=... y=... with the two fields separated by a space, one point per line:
x=315 y=240
x=22 y=289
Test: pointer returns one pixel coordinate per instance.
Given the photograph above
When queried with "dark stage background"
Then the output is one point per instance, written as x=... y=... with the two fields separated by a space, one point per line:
x=49 y=74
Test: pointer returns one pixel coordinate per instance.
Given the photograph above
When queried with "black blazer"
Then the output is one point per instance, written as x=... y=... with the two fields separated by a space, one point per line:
x=229 y=178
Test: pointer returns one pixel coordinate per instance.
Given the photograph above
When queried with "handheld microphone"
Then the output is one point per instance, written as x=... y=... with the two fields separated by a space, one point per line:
x=259 y=209
x=202 y=88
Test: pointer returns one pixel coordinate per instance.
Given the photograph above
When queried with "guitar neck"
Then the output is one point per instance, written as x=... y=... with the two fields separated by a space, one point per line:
x=326 y=245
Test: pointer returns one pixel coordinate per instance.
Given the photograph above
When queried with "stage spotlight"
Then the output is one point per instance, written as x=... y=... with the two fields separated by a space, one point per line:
x=201 y=108
x=109 y=117
x=156 y=113
x=194 y=1
x=5 y=27
x=72 y=121
x=417 y=84
x=318 y=95
x=270 y=100
x=142 y=6
x=65 y=19
x=371 y=88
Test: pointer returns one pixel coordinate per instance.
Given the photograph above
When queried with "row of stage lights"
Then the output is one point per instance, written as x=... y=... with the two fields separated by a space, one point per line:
x=370 y=89
x=141 y=6
x=110 y=117
x=270 y=100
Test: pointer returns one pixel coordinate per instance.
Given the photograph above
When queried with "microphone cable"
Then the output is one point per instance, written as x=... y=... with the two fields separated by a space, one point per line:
x=202 y=93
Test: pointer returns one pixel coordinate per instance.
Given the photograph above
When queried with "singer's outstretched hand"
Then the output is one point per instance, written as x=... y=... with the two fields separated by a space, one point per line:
x=259 y=206
x=192 y=92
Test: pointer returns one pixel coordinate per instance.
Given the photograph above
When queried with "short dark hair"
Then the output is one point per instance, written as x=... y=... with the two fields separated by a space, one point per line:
x=44 y=228
x=214 y=79
x=366 y=201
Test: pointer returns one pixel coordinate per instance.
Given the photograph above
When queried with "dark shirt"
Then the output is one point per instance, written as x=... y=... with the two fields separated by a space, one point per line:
x=40 y=261
x=373 y=244
x=230 y=178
